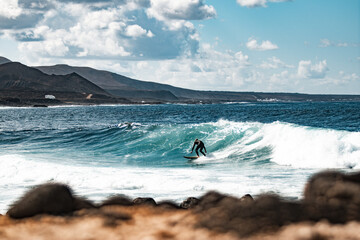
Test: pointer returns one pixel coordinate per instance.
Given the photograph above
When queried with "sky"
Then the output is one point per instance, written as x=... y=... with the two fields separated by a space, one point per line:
x=305 y=46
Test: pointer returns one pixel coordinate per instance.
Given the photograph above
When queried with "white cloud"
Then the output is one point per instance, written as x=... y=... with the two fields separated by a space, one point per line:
x=210 y=69
x=278 y=78
x=180 y=10
x=308 y=70
x=274 y=63
x=149 y=34
x=349 y=77
x=252 y=3
x=175 y=14
x=252 y=44
x=137 y=31
x=94 y=33
x=257 y=3
x=10 y=9
x=56 y=48
x=327 y=43
x=109 y=29
x=343 y=44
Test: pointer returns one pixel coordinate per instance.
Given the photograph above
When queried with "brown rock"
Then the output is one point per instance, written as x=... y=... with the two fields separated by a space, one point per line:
x=144 y=201
x=82 y=203
x=168 y=205
x=119 y=200
x=190 y=202
x=210 y=200
x=229 y=214
x=247 y=198
x=334 y=196
x=49 y=198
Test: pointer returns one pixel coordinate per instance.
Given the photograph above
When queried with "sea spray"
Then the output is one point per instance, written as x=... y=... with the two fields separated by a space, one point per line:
x=309 y=147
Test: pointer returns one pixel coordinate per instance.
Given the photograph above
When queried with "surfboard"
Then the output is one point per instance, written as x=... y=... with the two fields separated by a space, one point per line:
x=189 y=157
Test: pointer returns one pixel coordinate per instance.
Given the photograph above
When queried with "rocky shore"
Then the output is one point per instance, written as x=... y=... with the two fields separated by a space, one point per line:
x=330 y=209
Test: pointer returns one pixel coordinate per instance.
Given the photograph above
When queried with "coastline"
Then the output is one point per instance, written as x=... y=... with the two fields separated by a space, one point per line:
x=36 y=104
x=51 y=211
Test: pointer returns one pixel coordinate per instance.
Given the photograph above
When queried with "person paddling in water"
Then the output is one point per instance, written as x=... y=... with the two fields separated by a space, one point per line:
x=200 y=145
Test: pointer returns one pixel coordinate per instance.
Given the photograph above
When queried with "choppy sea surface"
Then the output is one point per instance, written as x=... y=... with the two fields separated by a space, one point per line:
x=138 y=150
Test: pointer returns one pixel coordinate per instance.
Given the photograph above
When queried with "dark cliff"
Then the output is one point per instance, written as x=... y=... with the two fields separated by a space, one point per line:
x=23 y=85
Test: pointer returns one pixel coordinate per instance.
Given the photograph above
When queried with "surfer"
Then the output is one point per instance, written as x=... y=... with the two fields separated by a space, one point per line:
x=200 y=145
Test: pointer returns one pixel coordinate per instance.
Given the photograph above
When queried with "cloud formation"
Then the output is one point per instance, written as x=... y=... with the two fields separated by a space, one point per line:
x=257 y=3
x=349 y=77
x=274 y=63
x=131 y=29
x=252 y=44
x=210 y=69
x=137 y=31
x=308 y=70
x=180 y=10
x=10 y=9
x=327 y=43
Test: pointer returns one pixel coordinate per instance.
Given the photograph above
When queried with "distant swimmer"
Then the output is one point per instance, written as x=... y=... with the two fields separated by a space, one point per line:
x=200 y=145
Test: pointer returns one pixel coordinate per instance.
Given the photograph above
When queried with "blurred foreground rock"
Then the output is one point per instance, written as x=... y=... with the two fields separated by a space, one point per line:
x=334 y=196
x=330 y=210
x=51 y=198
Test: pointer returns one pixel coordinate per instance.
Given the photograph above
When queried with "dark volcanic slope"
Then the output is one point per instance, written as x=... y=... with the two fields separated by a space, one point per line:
x=142 y=90
x=4 y=60
x=16 y=76
x=123 y=86
x=117 y=84
x=127 y=87
x=103 y=79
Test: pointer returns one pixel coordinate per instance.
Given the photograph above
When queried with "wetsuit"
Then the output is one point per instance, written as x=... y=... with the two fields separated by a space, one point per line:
x=200 y=145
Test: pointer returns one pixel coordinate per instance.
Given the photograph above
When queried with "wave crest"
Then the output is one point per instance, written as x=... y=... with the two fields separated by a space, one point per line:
x=285 y=144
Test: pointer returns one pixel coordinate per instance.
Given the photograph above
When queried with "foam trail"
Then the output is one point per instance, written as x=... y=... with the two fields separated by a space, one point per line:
x=19 y=173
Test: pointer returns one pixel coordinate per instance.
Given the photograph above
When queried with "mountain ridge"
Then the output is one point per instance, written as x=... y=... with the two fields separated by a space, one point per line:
x=15 y=75
x=122 y=86
x=4 y=60
x=23 y=85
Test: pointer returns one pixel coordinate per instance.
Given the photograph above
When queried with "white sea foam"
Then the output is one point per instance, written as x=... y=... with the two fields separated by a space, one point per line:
x=129 y=125
x=18 y=173
x=306 y=147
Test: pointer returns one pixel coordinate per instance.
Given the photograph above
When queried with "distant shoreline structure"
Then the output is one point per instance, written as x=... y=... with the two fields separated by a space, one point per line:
x=53 y=102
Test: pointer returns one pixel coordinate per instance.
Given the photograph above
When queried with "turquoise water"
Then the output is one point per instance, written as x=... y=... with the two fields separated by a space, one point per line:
x=138 y=150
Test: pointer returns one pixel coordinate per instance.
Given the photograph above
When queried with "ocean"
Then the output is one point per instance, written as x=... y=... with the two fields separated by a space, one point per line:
x=138 y=150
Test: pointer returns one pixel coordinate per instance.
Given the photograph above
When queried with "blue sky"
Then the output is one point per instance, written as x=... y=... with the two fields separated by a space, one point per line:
x=239 y=45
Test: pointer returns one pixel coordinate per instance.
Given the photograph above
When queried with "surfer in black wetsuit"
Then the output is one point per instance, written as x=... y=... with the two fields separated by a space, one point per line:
x=200 y=145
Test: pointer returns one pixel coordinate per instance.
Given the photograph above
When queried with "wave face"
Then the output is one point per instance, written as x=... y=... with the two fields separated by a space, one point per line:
x=163 y=145
x=138 y=150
